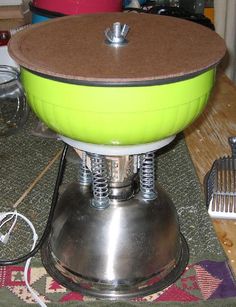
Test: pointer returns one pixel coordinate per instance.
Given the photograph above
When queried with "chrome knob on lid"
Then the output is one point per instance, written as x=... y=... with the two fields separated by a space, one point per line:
x=117 y=35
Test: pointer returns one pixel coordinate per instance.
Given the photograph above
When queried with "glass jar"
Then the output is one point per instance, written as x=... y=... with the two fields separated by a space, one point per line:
x=13 y=106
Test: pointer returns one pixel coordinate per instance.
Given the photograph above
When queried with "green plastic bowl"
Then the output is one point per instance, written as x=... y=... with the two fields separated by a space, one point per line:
x=117 y=115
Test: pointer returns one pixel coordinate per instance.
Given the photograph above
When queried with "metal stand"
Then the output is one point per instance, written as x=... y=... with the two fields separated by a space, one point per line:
x=115 y=232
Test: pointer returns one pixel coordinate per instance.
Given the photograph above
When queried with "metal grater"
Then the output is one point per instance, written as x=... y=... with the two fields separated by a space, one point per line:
x=221 y=186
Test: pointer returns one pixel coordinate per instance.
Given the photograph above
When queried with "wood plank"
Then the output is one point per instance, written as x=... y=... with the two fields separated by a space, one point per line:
x=207 y=140
x=11 y=12
x=9 y=24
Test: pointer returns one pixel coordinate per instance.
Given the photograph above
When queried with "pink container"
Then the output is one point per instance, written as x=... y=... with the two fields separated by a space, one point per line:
x=73 y=7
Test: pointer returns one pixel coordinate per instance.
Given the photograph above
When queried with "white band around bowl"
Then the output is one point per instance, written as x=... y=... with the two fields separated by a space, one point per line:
x=114 y=150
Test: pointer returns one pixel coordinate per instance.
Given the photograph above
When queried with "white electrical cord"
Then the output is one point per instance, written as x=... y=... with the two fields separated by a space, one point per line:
x=4 y=239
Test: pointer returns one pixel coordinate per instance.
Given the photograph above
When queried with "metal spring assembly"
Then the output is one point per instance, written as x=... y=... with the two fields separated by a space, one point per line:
x=85 y=177
x=147 y=176
x=100 y=182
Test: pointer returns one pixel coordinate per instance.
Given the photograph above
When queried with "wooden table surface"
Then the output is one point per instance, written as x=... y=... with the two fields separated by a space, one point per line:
x=207 y=140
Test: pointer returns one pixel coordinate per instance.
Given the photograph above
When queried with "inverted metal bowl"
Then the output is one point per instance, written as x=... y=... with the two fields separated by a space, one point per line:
x=117 y=115
x=130 y=249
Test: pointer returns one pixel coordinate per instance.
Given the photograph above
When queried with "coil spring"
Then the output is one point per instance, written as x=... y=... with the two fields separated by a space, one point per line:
x=100 y=182
x=85 y=177
x=147 y=176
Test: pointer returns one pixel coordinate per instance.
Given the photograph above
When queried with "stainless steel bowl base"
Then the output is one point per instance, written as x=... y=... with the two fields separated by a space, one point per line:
x=130 y=248
x=123 y=289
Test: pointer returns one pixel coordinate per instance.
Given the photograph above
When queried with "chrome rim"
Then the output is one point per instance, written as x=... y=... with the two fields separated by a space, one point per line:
x=153 y=284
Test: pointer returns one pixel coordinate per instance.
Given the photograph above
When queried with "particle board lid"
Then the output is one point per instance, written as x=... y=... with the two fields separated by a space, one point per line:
x=160 y=49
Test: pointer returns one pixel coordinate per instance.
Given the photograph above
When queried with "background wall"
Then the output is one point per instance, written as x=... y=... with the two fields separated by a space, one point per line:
x=225 y=23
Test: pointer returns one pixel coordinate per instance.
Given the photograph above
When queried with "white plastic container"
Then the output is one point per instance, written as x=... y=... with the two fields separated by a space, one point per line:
x=5 y=58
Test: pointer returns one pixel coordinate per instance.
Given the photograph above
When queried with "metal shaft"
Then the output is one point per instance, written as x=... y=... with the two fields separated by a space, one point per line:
x=85 y=177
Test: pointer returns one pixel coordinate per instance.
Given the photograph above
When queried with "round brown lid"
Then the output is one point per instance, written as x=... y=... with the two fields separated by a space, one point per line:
x=160 y=49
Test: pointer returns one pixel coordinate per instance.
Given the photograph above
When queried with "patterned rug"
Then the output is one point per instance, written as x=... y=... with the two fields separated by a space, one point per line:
x=206 y=281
